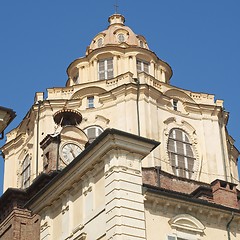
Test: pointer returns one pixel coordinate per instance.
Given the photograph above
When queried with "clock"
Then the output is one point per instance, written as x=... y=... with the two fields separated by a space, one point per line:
x=69 y=151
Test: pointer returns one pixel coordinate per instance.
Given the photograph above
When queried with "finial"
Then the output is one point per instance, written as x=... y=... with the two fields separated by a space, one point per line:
x=116 y=6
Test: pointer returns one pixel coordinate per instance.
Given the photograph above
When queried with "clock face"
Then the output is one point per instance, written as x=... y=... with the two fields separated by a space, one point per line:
x=70 y=151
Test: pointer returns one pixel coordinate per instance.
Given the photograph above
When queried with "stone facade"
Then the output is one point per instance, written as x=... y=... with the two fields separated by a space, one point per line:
x=126 y=155
x=6 y=116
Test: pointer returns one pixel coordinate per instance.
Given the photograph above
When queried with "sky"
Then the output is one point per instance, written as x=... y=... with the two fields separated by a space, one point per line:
x=199 y=39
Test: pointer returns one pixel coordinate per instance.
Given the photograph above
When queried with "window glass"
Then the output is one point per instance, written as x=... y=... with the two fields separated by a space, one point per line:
x=105 y=69
x=75 y=78
x=142 y=66
x=181 y=153
x=90 y=102
x=100 y=42
x=121 y=37
x=175 y=102
x=171 y=238
x=93 y=132
x=26 y=172
x=175 y=238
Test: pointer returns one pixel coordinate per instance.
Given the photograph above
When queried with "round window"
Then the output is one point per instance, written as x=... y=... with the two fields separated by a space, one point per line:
x=121 y=37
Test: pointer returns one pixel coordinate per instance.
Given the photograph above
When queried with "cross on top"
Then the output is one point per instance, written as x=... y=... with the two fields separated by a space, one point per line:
x=116 y=6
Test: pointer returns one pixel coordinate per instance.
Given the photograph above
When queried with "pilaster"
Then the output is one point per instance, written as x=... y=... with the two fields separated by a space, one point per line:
x=115 y=65
x=123 y=195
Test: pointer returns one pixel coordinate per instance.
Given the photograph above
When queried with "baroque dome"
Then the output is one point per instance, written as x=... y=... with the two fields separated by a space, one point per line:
x=117 y=34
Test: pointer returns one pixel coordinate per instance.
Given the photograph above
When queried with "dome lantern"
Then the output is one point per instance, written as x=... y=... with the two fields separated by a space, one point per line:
x=116 y=19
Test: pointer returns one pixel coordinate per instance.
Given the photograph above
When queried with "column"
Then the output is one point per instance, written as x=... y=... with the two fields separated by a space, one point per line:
x=134 y=59
x=163 y=75
x=130 y=59
x=151 y=70
x=95 y=69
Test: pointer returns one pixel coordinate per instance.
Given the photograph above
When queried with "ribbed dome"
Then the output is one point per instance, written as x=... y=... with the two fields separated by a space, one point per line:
x=117 y=34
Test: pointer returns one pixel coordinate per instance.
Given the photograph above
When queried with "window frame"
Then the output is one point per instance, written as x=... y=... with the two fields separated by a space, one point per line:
x=90 y=102
x=175 y=237
x=143 y=65
x=100 y=42
x=121 y=37
x=175 y=104
x=141 y=43
x=181 y=152
x=26 y=172
x=98 y=131
x=76 y=77
x=106 y=72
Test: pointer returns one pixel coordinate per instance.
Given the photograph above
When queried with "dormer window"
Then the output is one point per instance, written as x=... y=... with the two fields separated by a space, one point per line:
x=105 y=69
x=121 y=37
x=100 y=42
x=142 y=66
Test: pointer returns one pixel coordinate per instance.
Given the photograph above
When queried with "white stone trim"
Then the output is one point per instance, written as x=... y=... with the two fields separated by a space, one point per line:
x=179 y=123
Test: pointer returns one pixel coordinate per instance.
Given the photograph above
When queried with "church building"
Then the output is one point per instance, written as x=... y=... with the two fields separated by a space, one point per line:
x=6 y=117
x=119 y=153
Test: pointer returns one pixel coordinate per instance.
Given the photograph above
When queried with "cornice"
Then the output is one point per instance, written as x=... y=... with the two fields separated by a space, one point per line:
x=19 y=140
x=173 y=200
x=118 y=49
x=109 y=140
x=6 y=117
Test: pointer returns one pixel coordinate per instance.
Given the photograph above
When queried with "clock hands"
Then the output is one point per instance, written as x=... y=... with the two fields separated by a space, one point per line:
x=72 y=152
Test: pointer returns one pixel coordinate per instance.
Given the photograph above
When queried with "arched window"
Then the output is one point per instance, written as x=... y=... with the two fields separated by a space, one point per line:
x=93 y=132
x=26 y=172
x=141 y=43
x=75 y=77
x=180 y=153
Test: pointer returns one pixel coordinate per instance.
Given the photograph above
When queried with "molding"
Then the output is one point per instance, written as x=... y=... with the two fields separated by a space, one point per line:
x=175 y=203
x=172 y=123
x=110 y=140
x=187 y=222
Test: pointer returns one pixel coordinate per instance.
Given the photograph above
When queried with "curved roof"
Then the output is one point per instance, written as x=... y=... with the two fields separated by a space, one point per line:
x=117 y=34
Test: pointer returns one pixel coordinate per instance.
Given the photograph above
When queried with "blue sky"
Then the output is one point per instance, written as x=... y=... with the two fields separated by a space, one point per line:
x=199 y=39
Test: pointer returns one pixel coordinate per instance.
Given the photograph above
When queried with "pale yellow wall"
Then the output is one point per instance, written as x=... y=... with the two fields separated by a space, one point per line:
x=56 y=226
x=77 y=211
x=115 y=107
x=158 y=224
x=77 y=208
